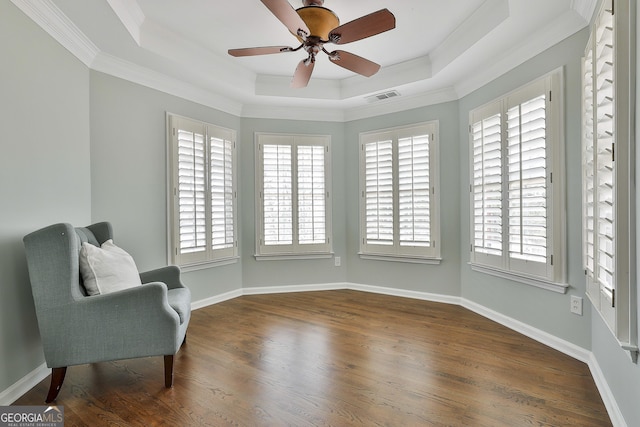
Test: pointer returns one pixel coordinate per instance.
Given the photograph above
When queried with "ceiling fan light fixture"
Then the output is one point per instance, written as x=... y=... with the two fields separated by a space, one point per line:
x=320 y=21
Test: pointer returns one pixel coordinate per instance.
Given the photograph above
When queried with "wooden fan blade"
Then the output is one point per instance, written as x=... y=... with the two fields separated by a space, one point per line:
x=355 y=63
x=361 y=28
x=302 y=74
x=287 y=15
x=251 y=51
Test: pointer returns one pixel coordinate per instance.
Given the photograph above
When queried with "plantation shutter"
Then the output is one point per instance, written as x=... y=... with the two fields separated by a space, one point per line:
x=311 y=194
x=203 y=202
x=294 y=194
x=589 y=168
x=192 y=190
x=604 y=183
x=222 y=193
x=399 y=193
x=527 y=185
x=414 y=191
x=517 y=185
x=599 y=169
x=277 y=194
x=487 y=184
x=378 y=164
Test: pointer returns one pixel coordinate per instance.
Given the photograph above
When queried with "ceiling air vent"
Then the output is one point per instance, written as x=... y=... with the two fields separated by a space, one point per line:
x=382 y=96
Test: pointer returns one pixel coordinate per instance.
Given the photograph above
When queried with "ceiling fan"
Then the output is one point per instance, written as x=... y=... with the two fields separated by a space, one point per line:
x=314 y=26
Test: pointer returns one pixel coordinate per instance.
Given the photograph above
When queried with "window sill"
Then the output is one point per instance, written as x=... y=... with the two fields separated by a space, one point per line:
x=209 y=264
x=538 y=282
x=287 y=257
x=401 y=258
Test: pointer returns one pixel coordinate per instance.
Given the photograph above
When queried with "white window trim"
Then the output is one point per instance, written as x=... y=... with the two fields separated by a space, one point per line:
x=295 y=251
x=395 y=253
x=555 y=278
x=214 y=258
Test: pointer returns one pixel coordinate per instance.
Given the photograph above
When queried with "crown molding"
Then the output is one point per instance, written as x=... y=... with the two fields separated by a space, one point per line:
x=131 y=16
x=560 y=29
x=129 y=71
x=51 y=19
x=407 y=72
x=394 y=105
x=276 y=112
x=402 y=103
x=484 y=20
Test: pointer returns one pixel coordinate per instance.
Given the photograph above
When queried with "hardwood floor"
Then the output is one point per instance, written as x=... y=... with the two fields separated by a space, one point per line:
x=337 y=358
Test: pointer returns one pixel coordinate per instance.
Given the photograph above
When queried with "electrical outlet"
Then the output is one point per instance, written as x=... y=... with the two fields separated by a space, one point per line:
x=337 y=261
x=576 y=305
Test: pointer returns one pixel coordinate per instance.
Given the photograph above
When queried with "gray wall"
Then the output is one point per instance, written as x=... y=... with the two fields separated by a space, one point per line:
x=128 y=173
x=286 y=272
x=439 y=279
x=44 y=169
x=539 y=308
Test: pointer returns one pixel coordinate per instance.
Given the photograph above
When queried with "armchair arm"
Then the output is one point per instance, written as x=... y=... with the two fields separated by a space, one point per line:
x=169 y=275
x=135 y=322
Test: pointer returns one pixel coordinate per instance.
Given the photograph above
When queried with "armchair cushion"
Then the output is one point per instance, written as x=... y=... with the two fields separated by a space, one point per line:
x=107 y=268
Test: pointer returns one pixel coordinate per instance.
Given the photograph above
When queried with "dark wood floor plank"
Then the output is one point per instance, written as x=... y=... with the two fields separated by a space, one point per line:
x=337 y=358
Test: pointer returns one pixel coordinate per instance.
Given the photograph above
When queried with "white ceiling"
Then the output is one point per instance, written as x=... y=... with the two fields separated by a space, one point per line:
x=439 y=50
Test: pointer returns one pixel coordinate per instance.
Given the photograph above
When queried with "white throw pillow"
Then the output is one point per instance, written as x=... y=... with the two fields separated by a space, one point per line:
x=107 y=269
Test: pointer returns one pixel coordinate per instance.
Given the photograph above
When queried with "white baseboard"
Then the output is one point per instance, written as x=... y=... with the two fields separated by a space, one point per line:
x=216 y=299
x=24 y=384
x=260 y=290
x=425 y=296
x=605 y=392
x=541 y=336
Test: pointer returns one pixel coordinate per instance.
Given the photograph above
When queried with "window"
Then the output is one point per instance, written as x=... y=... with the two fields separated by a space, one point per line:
x=203 y=196
x=516 y=189
x=293 y=195
x=399 y=193
x=607 y=170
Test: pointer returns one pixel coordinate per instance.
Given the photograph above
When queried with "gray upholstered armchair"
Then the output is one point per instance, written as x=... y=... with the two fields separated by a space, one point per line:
x=147 y=320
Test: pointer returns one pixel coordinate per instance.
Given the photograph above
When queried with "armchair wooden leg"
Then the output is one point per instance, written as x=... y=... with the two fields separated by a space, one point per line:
x=57 y=378
x=168 y=371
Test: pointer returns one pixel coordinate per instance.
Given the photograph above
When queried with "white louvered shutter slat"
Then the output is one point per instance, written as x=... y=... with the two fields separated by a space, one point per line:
x=487 y=185
x=191 y=191
x=311 y=194
x=379 y=192
x=604 y=175
x=589 y=211
x=414 y=190
x=221 y=174
x=277 y=194
x=527 y=185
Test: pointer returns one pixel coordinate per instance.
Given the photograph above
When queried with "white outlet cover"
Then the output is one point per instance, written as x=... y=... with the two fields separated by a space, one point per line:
x=576 y=305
